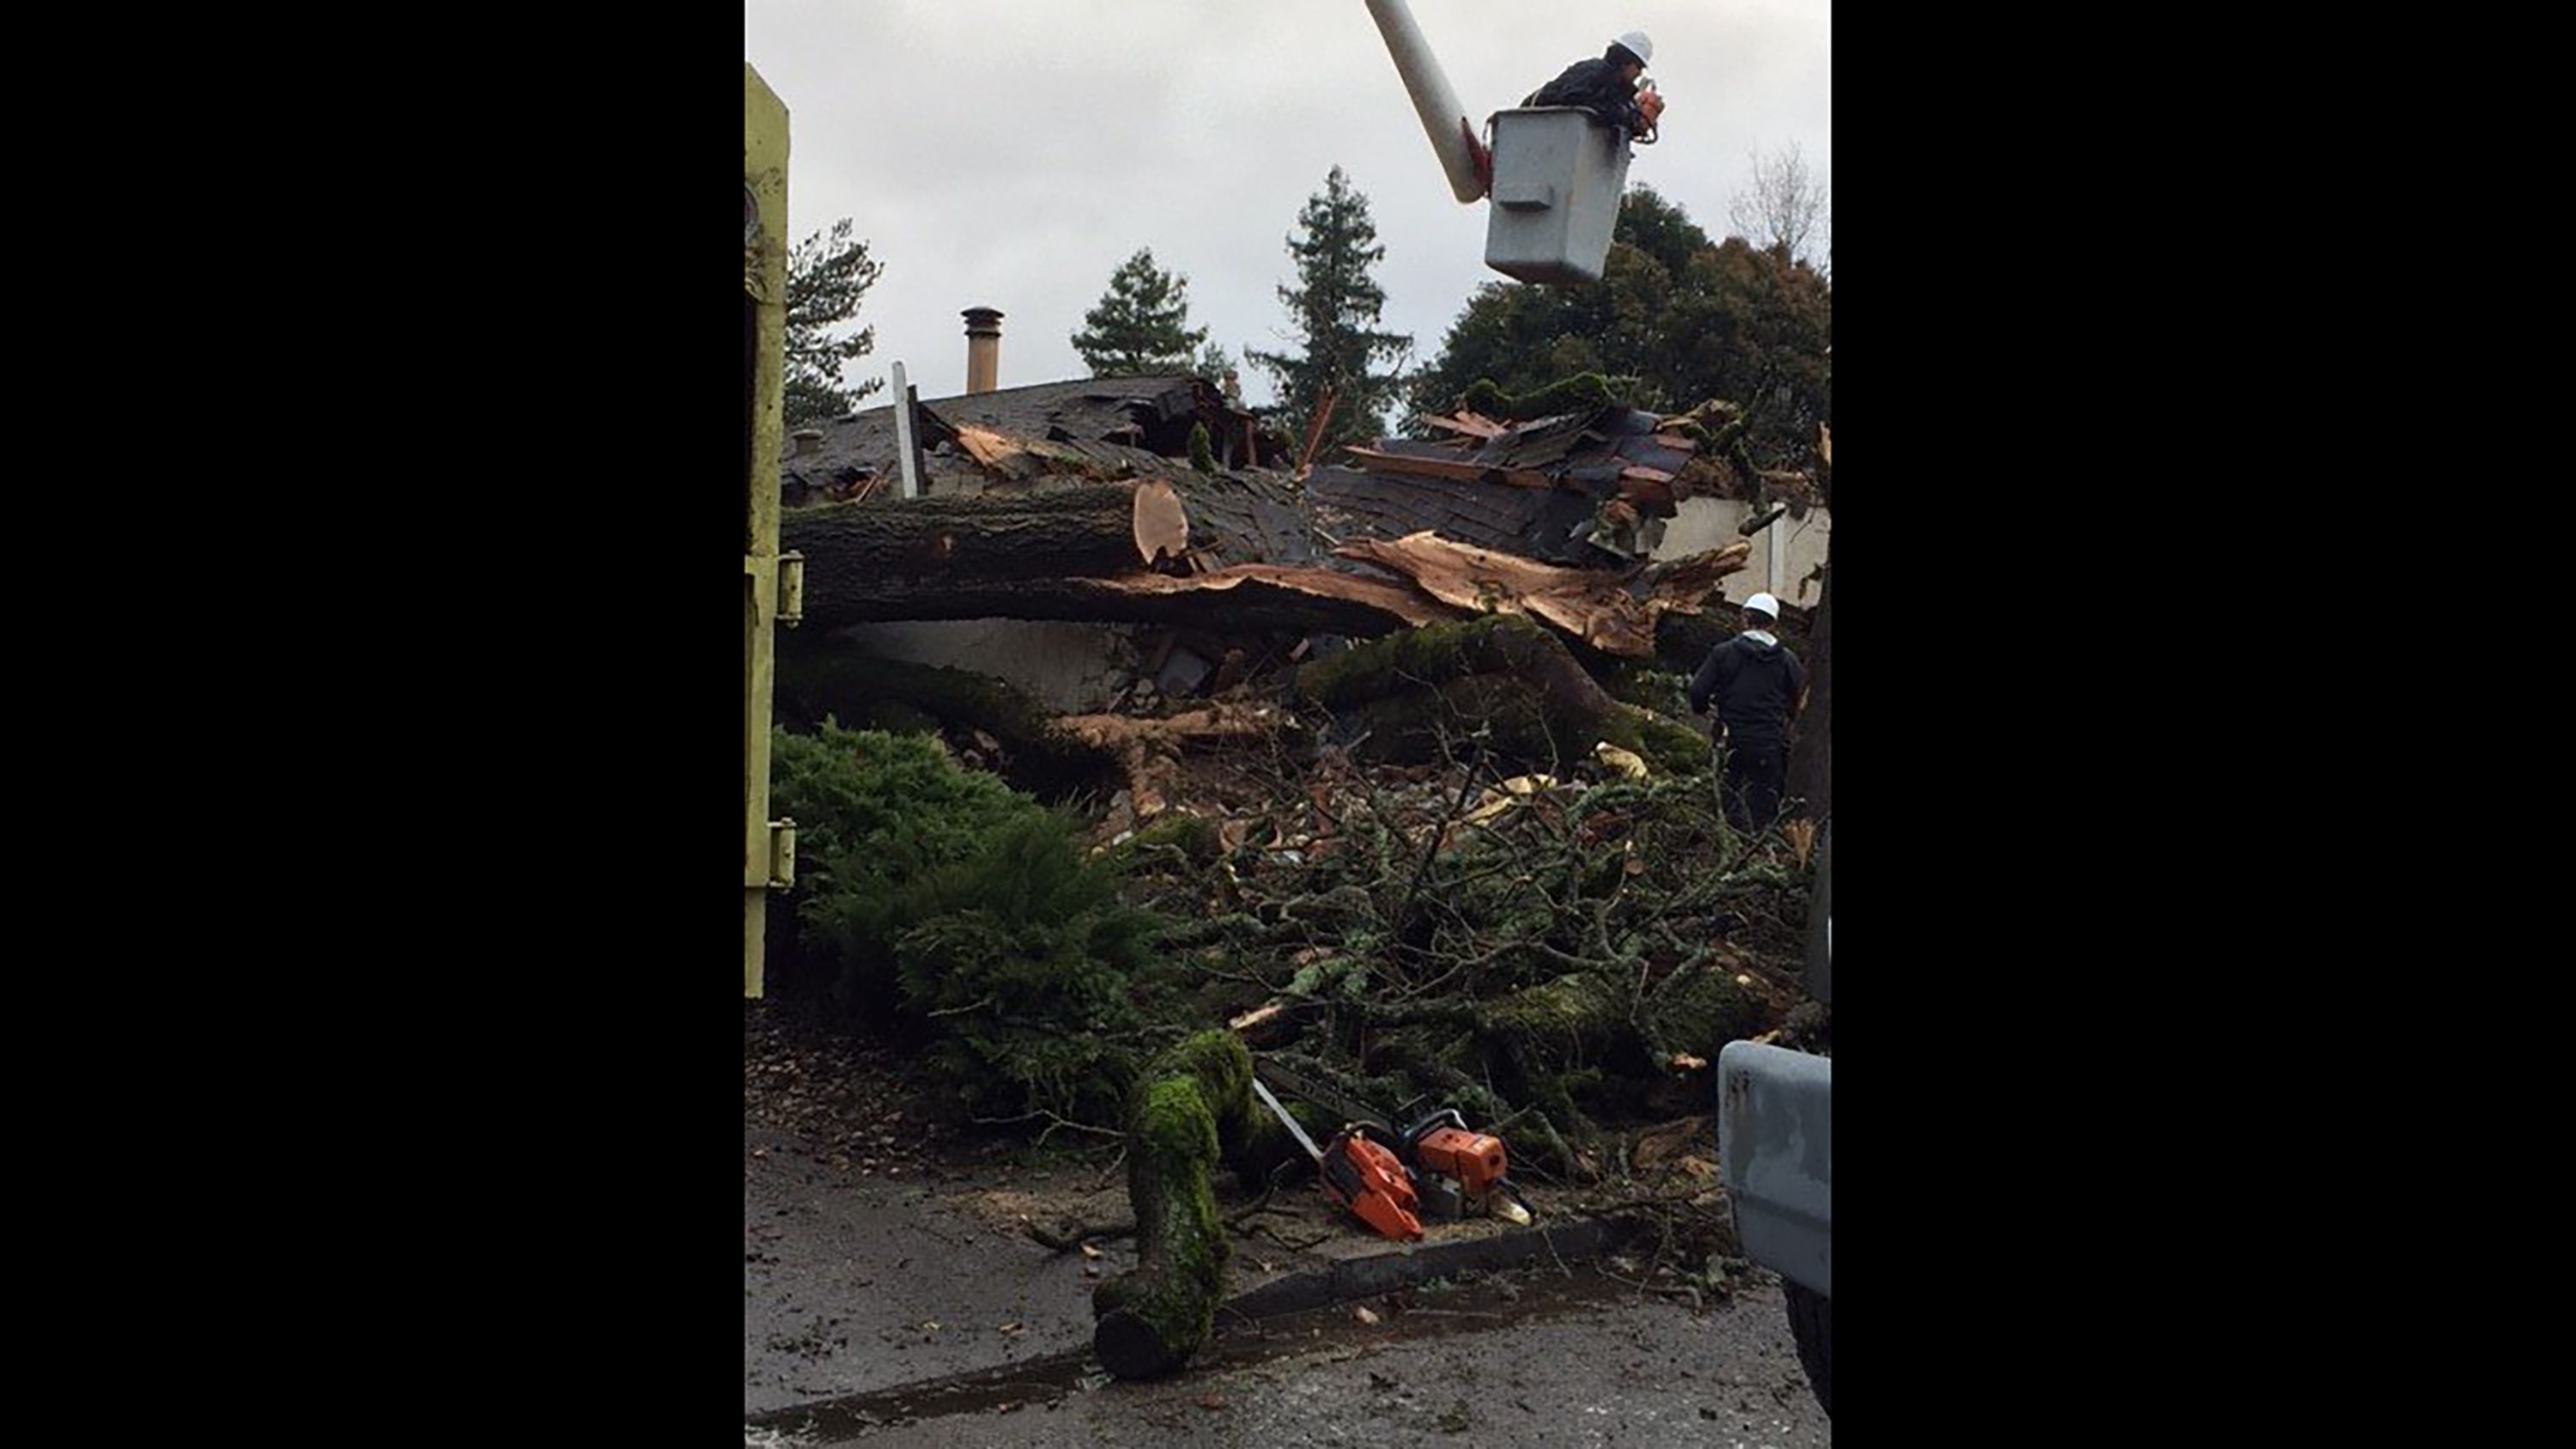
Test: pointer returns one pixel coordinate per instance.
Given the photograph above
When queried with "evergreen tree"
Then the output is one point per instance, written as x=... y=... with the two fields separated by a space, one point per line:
x=1214 y=363
x=825 y=281
x=1334 y=308
x=1689 y=318
x=1141 y=325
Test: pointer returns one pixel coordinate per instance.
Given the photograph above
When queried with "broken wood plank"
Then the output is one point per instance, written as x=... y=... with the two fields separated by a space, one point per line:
x=1651 y=490
x=1469 y=424
x=1013 y=460
x=1375 y=461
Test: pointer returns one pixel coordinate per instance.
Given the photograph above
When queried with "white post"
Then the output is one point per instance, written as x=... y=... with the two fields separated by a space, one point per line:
x=1443 y=119
x=903 y=434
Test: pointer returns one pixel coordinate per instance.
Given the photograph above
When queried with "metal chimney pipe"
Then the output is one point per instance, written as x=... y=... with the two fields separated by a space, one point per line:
x=1453 y=136
x=983 y=349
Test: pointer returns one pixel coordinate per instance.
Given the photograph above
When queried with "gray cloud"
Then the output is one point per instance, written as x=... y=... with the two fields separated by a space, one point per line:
x=1011 y=153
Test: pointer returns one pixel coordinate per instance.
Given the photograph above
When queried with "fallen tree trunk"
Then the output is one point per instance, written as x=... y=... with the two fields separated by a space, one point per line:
x=862 y=557
x=1500 y=673
x=1248 y=598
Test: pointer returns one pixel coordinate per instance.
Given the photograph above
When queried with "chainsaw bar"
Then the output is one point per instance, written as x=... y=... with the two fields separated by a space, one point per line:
x=1351 y=1113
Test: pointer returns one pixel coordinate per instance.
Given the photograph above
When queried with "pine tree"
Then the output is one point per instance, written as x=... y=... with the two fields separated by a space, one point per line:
x=825 y=281
x=1334 y=307
x=1141 y=325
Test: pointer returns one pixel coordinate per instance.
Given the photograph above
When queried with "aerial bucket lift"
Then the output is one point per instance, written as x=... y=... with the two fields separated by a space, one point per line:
x=1554 y=173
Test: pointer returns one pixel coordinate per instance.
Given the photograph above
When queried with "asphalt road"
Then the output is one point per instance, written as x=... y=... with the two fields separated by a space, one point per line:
x=1612 y=1370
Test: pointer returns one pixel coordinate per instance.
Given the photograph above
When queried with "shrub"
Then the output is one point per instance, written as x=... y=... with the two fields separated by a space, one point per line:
x=969 y=912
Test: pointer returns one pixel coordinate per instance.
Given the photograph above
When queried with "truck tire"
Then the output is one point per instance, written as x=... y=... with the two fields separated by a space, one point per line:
x=1811 y=1323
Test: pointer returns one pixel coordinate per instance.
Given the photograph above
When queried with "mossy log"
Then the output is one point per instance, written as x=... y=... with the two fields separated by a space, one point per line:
x=1502 y=673
x=1192 y=1106
x=1533 y=1037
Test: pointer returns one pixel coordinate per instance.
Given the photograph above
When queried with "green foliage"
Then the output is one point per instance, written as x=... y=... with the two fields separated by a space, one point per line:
x=1689 y=318
x=826 y=279
x=1142 y=323
x=1214 y=363
x=1334 y=309
x=971 y=912
x=1202 y=452
x=1583 y=392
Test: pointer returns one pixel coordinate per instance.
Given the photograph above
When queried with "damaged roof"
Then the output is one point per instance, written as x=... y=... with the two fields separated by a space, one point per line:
x=1103 y=421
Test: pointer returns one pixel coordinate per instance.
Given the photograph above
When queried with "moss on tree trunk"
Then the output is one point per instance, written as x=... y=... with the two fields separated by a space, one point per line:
x=1503 y=673
x=1191 y=1099
x=1541 y=1040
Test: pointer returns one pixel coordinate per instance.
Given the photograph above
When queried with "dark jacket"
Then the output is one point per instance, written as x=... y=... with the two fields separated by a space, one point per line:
x=1755 y=687
x=1596 y=86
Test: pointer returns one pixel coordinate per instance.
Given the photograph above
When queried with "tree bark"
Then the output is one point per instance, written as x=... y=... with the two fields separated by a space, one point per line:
x=1811 y=755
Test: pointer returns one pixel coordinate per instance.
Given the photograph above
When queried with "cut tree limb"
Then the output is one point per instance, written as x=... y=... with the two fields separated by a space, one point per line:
x=1144 y=747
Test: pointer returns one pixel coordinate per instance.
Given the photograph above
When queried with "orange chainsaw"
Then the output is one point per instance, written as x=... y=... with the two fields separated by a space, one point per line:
x=1359 y=1174
x=1439 y=1155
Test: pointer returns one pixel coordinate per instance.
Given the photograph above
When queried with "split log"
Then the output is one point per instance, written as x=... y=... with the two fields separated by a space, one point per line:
x=863 y=559
x=1613 y=614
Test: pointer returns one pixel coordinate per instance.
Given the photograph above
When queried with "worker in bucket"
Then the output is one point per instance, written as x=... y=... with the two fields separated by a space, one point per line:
x=1608 y=87
x=1756 y=685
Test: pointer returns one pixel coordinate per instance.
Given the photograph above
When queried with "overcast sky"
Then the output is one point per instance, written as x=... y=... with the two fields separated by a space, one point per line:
x=1011 y=153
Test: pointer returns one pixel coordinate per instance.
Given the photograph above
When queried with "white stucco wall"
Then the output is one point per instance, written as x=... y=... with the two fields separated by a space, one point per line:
x=1783 y=554
x=1070 y=667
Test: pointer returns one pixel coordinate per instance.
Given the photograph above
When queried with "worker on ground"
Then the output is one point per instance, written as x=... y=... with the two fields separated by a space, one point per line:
x=1608 y=87
x=1756 y=685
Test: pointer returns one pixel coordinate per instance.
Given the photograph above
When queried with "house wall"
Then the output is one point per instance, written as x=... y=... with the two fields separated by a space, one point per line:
x=1070 y=667
x=1783 y=554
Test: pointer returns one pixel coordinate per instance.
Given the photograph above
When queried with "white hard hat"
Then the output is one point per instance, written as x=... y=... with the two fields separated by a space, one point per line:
x=1636 y=44
x=1764 y=604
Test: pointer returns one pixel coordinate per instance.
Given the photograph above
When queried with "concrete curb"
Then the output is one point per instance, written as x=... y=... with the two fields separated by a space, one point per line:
x=1398 y=1267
